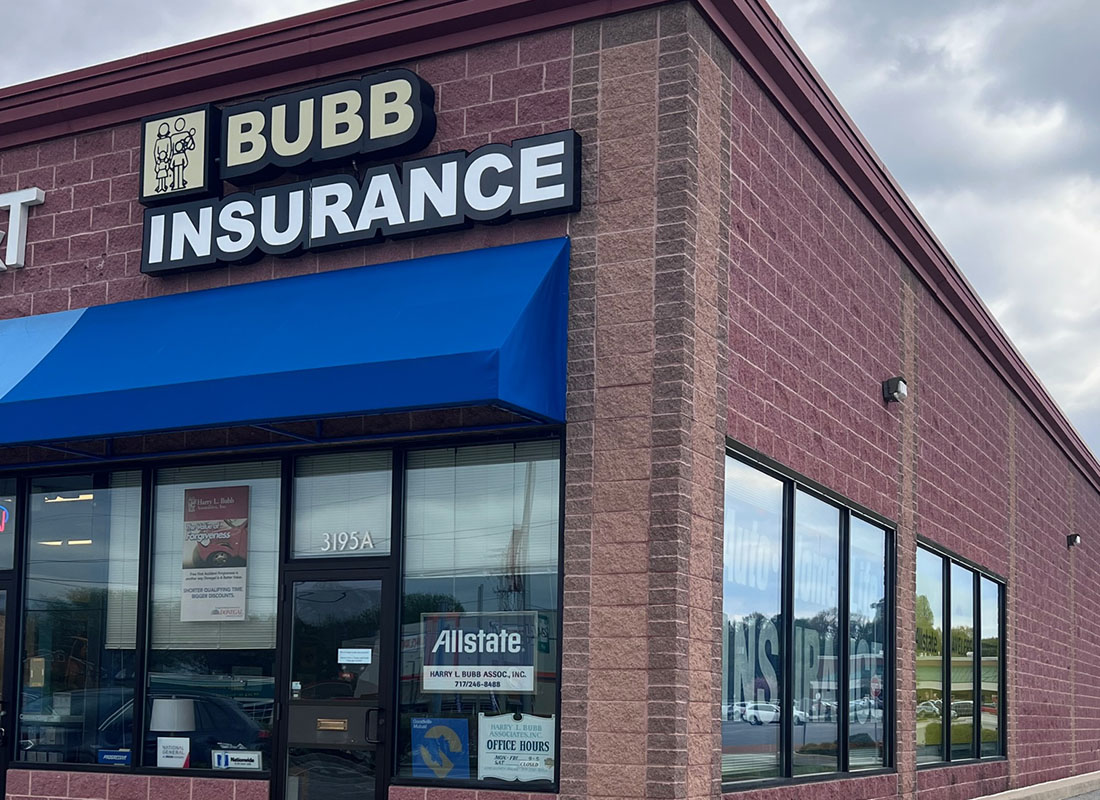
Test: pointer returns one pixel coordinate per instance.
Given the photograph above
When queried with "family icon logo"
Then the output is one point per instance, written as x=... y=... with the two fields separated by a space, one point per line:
x=174 y=155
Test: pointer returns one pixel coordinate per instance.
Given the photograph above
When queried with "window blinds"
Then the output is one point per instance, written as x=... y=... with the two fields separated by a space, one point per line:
x=485 y=510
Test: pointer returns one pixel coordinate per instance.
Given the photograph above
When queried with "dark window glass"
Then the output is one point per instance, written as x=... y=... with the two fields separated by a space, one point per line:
x=751 y=628
x=929 y=647
x=7 y=523
x=212 y=626
x=867 y=673
x=816 y=602
x=991 y=667
x=80 y=618
x=962 y=663
x=481 y=555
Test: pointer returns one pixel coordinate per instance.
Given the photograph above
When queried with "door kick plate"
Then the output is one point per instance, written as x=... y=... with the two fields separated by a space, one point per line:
x=331 y=724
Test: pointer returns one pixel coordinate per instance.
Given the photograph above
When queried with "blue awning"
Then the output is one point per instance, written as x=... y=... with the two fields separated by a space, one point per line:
x=486 y=327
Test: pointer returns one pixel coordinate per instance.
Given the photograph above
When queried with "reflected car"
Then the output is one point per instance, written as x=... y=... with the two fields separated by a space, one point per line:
x=768 y=713
x=96 y=720
x=734 y=711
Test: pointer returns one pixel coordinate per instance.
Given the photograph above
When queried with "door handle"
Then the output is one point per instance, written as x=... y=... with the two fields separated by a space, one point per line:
x=374 y=726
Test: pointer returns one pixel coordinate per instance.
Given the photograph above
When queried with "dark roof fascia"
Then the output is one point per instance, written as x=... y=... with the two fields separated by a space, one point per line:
x=360 y=36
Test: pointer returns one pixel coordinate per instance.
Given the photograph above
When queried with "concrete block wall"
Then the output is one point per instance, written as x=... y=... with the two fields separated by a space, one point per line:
x=722 y=283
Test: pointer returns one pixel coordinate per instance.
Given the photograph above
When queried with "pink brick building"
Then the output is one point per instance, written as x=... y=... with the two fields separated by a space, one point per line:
x=485 y=400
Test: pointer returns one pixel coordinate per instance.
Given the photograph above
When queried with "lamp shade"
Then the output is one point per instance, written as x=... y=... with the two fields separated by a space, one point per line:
x=172 y=714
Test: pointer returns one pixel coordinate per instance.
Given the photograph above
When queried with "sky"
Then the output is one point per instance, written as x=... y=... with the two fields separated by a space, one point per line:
x=985 y=111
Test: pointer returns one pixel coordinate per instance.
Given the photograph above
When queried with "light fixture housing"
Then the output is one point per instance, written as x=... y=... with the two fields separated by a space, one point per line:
x=1073 y=540
x=894 y=390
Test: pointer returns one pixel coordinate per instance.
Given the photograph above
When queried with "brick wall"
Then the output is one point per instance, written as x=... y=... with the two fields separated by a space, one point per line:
x=821 y=311
x=25 y=784
x=722 y=282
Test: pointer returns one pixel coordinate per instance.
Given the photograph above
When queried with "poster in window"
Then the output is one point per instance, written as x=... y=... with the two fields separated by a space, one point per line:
x=215 y=554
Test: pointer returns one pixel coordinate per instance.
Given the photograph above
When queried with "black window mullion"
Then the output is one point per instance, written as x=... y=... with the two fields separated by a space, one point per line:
x=17 y=614
x=144 y=598
x=976 y=668
x=786 y=685
x=945 y=662
x=1002 y=664
x=843 y=672
x=890 y=649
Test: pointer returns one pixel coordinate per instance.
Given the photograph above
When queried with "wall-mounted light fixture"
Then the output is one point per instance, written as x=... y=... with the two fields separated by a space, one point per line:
x=1073 y=540
x=894 y=390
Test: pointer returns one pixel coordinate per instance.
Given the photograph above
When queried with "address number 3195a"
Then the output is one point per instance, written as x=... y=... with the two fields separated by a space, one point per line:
x=346 y=541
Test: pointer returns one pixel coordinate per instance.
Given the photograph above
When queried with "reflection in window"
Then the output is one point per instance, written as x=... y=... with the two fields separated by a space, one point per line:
x=342 y=505
x=962 y=662
x=7 y=522
x=751 y=623
x=481 y=553
x=81 y=618
x=974 y=667
x=929 y=648
x=827 y=541
x=816 y=598
x=866 y=645
x=214 y=590
x=991 y=667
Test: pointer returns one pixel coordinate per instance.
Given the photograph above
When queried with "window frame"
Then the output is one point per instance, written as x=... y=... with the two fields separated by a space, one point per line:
x=978 y=572
x=793 y=482
x=288 y=565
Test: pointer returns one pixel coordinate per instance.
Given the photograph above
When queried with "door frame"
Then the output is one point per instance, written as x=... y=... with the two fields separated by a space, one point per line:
x=12 y=665
x=299 y=572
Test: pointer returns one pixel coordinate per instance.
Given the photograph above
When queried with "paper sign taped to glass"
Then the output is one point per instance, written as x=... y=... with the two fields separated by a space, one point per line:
x=474 y=653
x=515 y=747
x=215 y=554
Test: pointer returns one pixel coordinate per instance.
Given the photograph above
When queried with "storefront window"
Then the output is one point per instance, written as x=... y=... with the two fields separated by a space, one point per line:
x=7 y=523
x=975 y=665
x=929 y=657
x=479 y=650
x=816 y=595
x=80 y=619
x=866 y=645
x=816 y=545
x=342 y=505
x=213 y=618
x=752 y=623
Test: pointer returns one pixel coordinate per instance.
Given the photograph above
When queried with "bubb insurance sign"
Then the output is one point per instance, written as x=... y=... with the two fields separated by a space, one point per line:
x=345 y=128
x=479 y=653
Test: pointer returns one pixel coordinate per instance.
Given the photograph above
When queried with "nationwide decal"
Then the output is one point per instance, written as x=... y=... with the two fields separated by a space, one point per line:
x=362 y=121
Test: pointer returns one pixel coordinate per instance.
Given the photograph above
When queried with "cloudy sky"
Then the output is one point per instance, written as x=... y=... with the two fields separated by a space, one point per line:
x=984 y=110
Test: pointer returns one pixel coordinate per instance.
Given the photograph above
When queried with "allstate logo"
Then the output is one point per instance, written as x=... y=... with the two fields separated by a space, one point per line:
x=4 y=515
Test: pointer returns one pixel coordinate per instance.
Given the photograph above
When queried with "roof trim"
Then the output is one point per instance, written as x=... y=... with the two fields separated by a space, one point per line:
x=360 y=36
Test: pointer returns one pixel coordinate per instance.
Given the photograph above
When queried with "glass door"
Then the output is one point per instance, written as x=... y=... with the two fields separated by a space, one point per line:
x=337 y=692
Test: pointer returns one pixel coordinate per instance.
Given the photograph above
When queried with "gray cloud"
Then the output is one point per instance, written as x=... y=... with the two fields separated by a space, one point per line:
x=986 y=113
x=48 y=37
